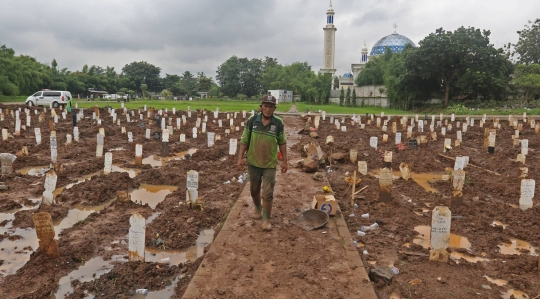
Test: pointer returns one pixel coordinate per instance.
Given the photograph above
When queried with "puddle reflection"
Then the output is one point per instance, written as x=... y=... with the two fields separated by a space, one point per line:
x=158 y=161
x=151 y=194
x=515 y=293
x=422 y=179
x=178 y=257
x=88 y=271
x=424 y=239
x=516 y=247
x=34 y=170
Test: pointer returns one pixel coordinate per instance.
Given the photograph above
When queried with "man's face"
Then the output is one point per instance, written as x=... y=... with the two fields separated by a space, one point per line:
x=268 y=109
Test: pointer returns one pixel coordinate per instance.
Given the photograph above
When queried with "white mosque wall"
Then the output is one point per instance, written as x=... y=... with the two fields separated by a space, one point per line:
x=371 y=95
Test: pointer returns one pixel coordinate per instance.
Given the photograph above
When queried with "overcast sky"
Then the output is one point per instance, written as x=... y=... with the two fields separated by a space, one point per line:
x=199 y=35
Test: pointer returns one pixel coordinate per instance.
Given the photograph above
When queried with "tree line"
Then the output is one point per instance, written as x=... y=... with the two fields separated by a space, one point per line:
x=459 y=65
x=24 y=75
x=250 y=78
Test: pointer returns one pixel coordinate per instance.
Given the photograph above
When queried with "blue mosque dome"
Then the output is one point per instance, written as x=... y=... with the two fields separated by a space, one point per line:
x=396 y=43
x=347 y=75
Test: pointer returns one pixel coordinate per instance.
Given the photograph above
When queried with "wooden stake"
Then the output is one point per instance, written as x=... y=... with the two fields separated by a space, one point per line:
x=353 y=187
x=361 y=190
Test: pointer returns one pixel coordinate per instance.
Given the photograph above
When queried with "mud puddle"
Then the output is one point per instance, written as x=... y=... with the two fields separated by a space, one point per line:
x=15 y=251
x=158 y=161
x=422 y=179
x=517 y=247
x=456 y=241
x=78 y=214
x=177 y=257
x=34 y=170
x=88 y=271
x=151 y=195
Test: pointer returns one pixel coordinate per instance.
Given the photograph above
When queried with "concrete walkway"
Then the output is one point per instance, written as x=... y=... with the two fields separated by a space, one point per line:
x=289 y=262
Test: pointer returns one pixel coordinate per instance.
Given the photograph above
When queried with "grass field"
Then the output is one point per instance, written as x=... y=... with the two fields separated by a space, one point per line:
x=235 y=105
x=4 y=99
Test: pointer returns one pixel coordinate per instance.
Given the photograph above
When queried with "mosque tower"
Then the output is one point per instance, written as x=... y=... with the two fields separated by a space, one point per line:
x=329 y=42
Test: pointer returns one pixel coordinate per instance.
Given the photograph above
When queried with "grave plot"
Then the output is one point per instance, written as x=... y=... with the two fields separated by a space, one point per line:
x=113 y=164
x=457 y=191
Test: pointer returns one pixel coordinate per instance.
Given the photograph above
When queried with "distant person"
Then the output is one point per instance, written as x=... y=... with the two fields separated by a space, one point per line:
x=263 y=135
x=68 y=106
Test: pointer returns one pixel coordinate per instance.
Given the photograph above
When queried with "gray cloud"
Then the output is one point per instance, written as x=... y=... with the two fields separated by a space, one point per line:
x=200 y=35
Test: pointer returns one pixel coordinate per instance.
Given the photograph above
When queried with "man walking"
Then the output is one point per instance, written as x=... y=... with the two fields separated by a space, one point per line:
x=263 y=135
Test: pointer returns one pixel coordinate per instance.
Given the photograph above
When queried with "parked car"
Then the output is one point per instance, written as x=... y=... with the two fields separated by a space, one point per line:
x=48 y=98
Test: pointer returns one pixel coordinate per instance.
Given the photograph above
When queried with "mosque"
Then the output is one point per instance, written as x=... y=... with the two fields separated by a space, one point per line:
x=371 y=95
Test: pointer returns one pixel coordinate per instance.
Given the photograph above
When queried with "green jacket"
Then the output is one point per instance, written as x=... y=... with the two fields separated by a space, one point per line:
x=263 y=141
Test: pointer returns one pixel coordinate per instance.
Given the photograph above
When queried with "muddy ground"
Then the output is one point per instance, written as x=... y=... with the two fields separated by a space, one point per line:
x=494 y=246
x=93 y=225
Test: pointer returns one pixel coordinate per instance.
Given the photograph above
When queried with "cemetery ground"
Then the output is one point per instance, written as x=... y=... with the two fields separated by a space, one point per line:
x=493 y=247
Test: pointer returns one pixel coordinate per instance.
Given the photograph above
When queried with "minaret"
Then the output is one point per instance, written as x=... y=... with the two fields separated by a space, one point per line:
x=364 y=59
x=329 y=42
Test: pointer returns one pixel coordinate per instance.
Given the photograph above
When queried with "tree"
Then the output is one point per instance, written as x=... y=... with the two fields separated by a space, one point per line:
x=353 y=97
x=142 y=72
x=144 y=88
x=527 y=46
x=348 y=97
x=189 y=83
x=203 y=83
x=170 y=80
x=373 y=73
x=527 y=81
x=463 y=62
x=341 y=97
x=241 y=75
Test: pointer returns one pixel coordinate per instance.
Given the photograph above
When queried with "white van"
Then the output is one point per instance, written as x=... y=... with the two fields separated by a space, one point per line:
x=49 y=97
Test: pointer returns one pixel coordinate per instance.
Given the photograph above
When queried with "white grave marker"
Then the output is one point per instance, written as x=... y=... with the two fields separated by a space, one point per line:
x=192 y=186
x=362 y=167
x=440 y=233
x=233 y=144
x=137 y=241
x=108 y=163
x=38 y=135
x=373 y=142
x=50 y=186
x=527 y=194
x=54 y=150
x=524 y=147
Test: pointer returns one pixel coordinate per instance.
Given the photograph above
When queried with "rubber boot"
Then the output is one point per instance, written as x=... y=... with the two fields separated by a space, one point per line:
x=266 y=213
x=258 y=208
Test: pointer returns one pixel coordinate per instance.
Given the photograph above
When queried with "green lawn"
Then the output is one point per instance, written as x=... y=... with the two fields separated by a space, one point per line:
x=4 y=99
x=236 y=105
x=334 y=108
x=224 y=105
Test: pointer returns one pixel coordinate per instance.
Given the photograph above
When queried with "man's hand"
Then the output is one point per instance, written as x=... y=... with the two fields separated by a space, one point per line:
x=284 y=166
x=240 y=164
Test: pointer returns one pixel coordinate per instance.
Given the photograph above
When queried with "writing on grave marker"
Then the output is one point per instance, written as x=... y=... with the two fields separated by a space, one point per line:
x=137 y=232
x=192 y=186
x=526 y=194
x=45 y=233
x=440 y=233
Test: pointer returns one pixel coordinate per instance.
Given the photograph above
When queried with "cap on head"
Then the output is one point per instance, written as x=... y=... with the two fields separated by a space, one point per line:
x=269 y=99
